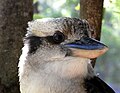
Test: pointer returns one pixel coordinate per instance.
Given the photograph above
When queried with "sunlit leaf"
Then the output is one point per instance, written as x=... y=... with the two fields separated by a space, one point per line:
x=34 y=1
x=37 y=16
x=77 y=7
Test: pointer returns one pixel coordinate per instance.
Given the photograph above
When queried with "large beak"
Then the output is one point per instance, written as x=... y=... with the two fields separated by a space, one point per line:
x=87 y=47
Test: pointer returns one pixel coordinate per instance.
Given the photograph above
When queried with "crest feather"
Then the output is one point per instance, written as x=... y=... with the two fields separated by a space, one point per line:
x=43 y=27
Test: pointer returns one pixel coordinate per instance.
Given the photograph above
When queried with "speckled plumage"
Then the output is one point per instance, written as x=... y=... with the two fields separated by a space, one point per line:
x=46 y=67
x=69 y=26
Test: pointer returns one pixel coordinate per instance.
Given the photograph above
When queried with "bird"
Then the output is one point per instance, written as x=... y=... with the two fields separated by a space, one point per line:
x=56 y=57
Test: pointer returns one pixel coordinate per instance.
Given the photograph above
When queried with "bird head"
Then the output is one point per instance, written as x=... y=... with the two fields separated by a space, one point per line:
x=68 y=36
x=62 y=46
x=55 y=52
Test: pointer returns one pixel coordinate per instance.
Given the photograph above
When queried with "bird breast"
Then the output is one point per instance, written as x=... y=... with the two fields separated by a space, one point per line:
x=55 y=77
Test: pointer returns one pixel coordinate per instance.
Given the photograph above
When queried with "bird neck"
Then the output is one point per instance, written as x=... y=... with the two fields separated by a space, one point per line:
x=65 y=67
x=73 y=67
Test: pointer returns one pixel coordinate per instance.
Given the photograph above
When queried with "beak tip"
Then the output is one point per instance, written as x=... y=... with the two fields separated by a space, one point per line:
x=105 y=49
x=98 y=53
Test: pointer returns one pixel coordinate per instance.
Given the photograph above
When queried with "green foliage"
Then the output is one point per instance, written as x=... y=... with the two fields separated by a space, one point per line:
x=109 y=64
x=58 y=8
x=34 y=1
x=37 y=16
x=117 y=5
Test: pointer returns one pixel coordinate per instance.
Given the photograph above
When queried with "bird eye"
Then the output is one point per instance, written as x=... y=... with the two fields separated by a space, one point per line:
x=58 y=37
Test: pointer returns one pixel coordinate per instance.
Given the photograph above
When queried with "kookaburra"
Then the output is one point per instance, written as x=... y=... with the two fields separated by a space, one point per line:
x=56 y=58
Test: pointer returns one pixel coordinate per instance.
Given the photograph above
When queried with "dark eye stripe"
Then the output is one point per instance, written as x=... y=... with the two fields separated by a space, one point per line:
x=50 y=39
x=34 y=43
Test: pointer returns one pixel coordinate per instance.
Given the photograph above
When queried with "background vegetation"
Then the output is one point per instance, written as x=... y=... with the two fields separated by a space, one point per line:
x=107 y=65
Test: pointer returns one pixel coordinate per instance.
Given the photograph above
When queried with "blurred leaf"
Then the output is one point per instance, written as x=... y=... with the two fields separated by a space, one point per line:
x=36 y=16
x=117 y=12
x=77 y=7
x=34 y=1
